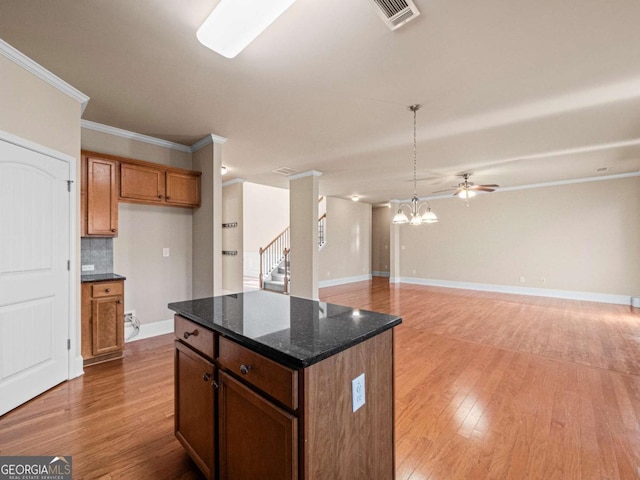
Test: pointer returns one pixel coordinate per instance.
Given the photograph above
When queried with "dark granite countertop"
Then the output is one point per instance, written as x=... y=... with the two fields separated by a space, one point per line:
x=293 y=331
x=101 y=277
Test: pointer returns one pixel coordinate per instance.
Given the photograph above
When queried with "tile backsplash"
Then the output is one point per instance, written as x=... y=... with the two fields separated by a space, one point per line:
x=97 y=252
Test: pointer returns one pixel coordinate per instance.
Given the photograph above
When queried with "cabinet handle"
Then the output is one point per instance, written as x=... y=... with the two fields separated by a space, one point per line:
x=159 y=196
x=214 y=385
x=119 y=302
x=206 y=377
x=188 y=334
x=107 y=290
x=113 y=230
x=244 y=369
x=168 y=197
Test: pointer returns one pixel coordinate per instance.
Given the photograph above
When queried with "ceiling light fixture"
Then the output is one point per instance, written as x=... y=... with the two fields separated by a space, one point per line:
x=234 y=24
x=355 y=198
x=414 y=206
x=223 y=170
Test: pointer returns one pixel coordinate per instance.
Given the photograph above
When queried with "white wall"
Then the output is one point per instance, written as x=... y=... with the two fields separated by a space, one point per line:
x=346 y=256
x=153 y=281
x=581 y=237
x=265 y=216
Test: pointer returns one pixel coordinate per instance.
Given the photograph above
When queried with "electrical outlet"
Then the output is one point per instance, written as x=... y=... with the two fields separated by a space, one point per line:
x=128 y=316
x=357 y=392
x=88 y=268
x=165 y=252
x=522 y=279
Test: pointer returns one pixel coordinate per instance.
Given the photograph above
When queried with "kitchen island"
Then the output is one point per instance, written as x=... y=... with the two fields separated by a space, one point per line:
x=276 y=387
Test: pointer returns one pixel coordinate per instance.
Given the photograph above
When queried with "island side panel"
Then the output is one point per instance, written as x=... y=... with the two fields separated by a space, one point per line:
x=340 y=443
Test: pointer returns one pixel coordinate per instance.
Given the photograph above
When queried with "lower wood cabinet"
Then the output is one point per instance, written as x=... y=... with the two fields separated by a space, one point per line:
x=102 y=321
x=256 y=438
x=242 y=416
x=195 y=407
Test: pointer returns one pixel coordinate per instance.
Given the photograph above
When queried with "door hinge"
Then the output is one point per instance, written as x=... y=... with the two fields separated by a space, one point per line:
x=69 y=182
x=68 y=344
x=69 y=265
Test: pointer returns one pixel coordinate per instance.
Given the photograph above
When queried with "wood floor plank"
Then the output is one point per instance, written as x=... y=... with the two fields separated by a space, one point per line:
x=487 y=386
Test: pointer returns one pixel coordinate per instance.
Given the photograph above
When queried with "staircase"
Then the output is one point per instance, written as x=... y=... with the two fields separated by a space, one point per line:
x=275 y=281
x=275 y=274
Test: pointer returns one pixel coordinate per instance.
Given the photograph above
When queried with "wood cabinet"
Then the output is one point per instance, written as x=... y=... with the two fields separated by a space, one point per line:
x=195 y=407
x=271 y=422
x=257 y=439
x=139 y=182
x=102 y=321
x=99 y=197
x=155 y=184
x=107 y=180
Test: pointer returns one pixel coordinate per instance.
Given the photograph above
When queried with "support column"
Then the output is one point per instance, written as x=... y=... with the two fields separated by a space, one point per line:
x=394 y=246
x=207 y=222
x=303 y=214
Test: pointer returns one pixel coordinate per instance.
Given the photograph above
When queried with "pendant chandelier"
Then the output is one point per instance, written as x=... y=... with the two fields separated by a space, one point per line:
x=414 y=206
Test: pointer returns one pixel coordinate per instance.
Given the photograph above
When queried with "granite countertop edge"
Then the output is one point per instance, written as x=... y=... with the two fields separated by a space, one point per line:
x=101 y=277
x=278 y=355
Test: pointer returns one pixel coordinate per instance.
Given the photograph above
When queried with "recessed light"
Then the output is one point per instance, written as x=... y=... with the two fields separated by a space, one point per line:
x=355 y=198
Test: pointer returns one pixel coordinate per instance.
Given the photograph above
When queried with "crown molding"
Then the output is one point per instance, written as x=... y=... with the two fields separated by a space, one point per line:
x=42 y=73
x=535 y=185
x=206 y=140
x=310 y=173
x=119 y=132
x=233 y=181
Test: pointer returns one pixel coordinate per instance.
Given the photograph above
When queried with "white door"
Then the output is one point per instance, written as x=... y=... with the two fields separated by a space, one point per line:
x=34 y=279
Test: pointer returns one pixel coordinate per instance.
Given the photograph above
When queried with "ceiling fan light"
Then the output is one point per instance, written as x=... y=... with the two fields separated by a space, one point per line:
x=466 y=194
x=234 y=24
x=400 y=218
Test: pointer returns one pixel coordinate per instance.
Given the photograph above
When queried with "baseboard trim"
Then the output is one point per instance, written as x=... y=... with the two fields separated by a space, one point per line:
x=534 y=292
x=76 y=367
x=148 y=330
x=380 y=274
x=344 y=280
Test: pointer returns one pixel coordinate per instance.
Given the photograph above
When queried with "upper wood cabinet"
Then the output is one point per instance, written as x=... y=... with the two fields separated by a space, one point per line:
x=99 y=197
x=156 y=184
x=138 y=182
x=183 y=188
x=107 y=180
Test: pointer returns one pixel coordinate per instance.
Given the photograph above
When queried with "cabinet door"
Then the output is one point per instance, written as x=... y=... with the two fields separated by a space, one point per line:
x=102 y=198
x=107 y=329
x=183 y=188
x=195 y=407
x=138 y=182
x=257 y=439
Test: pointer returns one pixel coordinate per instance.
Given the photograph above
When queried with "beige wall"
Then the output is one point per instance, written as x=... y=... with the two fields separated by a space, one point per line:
x=380 y=231
x=347 y=252
x=144 y=230
x=32 y=109
x=232 y=238
x=266 y=215
x=581 y=237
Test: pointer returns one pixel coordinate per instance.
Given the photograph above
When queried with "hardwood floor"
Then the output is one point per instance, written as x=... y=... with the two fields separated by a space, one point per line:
x=487 y=386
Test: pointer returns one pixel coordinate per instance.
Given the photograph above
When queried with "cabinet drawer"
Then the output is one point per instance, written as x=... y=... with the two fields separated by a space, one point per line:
x=272 y=378
x=107 y=289
x=195 y=335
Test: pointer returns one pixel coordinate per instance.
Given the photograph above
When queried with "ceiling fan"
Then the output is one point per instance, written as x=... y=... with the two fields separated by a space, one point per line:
x=467 y=189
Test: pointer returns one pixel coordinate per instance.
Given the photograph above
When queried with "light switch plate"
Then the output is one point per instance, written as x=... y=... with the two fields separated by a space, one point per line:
x=165 y=252
x=357 y=392
x=88 y=268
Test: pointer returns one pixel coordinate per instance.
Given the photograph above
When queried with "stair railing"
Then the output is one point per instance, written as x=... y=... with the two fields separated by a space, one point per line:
x=322 y=228
x=272 y=255
x=285 y=253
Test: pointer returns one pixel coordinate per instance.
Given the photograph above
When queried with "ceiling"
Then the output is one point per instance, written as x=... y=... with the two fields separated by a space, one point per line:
x=518 y=92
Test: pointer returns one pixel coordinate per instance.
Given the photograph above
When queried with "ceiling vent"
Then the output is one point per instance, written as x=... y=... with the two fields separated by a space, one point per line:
x=395 y=13
x=286 y=171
